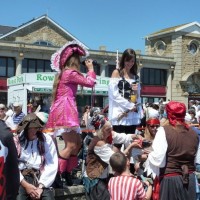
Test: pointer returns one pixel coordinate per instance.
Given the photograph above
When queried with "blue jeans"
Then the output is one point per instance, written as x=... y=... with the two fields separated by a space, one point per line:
x=46 y=195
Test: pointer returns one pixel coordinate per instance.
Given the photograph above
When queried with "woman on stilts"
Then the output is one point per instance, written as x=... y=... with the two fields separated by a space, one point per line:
x=63 y=118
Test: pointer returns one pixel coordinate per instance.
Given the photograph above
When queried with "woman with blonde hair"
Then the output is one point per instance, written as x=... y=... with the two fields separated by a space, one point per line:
x=63 y=118
x=100 y=150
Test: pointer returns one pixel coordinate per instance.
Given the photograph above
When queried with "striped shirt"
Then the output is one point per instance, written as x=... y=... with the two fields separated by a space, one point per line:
x=18 y=118
x=126 y=188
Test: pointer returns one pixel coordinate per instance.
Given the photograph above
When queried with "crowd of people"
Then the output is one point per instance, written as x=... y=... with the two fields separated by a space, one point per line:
x=137 y=151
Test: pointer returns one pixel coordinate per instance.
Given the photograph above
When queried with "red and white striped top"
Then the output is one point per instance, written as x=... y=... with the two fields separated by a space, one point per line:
x=126 y=188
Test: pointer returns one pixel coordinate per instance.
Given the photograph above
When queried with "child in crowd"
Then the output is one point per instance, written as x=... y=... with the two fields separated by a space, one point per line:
x=124 y=185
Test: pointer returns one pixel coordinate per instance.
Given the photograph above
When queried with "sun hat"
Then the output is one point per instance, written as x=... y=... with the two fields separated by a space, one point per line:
x=2 y=106
x=32 y=121
x=16 y=104
x=59 y=58
x=43 y=116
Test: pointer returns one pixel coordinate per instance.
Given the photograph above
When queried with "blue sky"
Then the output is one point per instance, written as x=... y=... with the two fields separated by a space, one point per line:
x=116 y=24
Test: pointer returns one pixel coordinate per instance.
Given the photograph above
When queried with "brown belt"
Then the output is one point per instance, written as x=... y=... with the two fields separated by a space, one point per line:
x=32 y=172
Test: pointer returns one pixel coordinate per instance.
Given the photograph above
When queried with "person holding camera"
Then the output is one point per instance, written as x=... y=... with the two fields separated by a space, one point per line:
x=139 y=156
x=63 y=118
x=99 y=152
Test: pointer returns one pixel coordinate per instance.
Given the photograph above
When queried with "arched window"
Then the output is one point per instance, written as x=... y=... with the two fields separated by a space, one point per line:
x=160 y=47
x=193 y=47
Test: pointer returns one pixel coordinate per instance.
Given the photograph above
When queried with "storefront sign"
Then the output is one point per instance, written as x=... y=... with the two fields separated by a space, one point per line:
x=102 y=81
x=45 y=83
x=42 y=90
x=15 y=80
x=45 y=77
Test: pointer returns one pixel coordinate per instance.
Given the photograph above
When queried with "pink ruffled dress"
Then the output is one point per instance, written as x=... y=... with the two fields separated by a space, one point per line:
x=63 y=115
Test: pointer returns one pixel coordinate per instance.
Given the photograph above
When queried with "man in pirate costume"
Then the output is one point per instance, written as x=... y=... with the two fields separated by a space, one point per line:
x=38 y=161
x=172 y=161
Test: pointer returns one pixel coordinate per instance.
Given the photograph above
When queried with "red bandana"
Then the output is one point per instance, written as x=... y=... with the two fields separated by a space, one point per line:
x=153 y=121
x=176 y=113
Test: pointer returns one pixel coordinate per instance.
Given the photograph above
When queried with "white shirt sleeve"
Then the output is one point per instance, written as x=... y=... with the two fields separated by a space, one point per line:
x=104 y=152
x=21 y=177
x=48 y=174
x=157 y=158
x=122 y=138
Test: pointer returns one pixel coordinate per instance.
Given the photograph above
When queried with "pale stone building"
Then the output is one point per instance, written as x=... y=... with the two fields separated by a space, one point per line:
x=181 y=43
x=169 y=69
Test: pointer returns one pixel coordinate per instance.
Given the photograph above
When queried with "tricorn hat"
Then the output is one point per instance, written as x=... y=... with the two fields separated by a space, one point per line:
x=30 y=121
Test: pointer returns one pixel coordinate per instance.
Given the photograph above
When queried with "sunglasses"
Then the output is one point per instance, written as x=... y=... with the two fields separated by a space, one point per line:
x=2 y=108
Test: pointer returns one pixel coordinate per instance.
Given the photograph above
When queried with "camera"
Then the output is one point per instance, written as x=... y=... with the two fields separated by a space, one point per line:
x=146 y=143
x=94 y=62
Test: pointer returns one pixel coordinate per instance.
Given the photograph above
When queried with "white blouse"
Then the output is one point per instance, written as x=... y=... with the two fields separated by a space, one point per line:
x=157 y=158
x=34 y=160
x=105 y=151
x=118 y=105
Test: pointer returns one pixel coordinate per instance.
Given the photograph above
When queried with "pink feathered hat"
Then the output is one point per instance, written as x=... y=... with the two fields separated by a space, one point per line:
x=59 y=58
